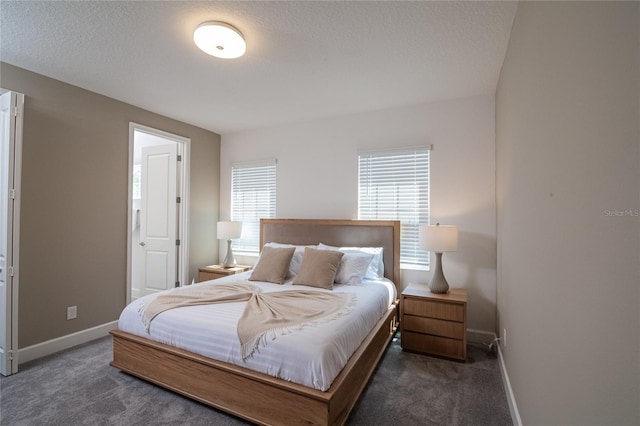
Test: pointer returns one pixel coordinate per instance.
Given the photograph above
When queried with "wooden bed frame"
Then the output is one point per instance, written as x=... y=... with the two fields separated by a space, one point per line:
x=257 y=397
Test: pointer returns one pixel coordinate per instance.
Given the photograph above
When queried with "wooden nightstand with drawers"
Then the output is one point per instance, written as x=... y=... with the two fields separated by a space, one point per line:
x=218 y=271
x=434 y=324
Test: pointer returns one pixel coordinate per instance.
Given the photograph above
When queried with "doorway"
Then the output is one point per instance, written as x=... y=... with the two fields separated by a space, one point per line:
x=158 y=211
x=11 y=119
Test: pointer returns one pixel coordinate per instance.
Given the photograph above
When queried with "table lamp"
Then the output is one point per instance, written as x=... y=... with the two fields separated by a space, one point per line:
x=438 y=239
x=228 y=231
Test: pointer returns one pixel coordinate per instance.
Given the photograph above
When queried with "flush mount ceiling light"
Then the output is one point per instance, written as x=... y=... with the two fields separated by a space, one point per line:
x=219 y=39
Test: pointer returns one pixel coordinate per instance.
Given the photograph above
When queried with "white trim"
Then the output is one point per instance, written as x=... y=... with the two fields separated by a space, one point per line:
x=399 y=150
x=129 y=208
x=56 y=345
x=9 y=315
x=15 y=261
x=511 y=399
x=185 y=185
x=183 y=230
x=256 y=163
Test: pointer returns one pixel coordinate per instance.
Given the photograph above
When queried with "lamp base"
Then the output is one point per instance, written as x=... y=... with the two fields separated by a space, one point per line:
x=229 y=260
x=438 y=283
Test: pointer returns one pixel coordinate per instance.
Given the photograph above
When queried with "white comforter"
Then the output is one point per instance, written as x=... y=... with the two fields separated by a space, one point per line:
x=312 y=357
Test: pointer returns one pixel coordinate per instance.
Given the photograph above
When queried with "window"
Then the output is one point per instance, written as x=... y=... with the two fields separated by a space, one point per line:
x=253 y=196
x=394 y=185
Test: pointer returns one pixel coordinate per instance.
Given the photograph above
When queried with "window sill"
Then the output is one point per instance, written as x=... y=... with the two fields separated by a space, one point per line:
x=410 y=267
x=246 y=254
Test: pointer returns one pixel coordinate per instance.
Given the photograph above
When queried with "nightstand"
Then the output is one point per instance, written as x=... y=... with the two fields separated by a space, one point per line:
x=434 y=324
x=217 y=271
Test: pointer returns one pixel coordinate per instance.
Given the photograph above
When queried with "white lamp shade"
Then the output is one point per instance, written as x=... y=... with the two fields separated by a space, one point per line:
x=229 y=230
x=220 y=40
x=439 y=238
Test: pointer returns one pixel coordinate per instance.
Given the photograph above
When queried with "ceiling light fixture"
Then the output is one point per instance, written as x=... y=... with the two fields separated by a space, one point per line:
x=220 y=40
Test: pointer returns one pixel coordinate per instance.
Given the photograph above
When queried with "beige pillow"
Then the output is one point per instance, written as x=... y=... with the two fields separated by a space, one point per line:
x=272 y=265
x=296 y=260
x=318 y=268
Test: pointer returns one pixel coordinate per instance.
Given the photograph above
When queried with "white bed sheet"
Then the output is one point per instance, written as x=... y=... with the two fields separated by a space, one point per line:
x=312 y=357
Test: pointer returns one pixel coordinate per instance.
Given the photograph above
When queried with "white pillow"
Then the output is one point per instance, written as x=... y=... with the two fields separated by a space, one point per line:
x=353 y=267
x=376 y=267
x=296 y=260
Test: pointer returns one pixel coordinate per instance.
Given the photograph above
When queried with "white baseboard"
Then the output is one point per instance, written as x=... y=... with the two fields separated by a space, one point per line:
x=513 y=408
x=487 y=337
x=56 y=345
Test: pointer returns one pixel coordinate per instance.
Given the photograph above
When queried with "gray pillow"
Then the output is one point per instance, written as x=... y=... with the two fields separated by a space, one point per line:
x=353 y=267
x=318 y=268
x=272 y=265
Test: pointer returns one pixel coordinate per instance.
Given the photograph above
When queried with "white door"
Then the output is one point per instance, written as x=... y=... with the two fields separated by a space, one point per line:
x=10 y=162
x=158 y=218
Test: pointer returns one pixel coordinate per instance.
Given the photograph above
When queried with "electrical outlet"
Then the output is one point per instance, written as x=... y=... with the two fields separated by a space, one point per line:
x=504 y=337
x=72 y=312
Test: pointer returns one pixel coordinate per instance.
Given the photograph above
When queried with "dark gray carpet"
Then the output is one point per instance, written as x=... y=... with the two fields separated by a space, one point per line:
x=78 y=387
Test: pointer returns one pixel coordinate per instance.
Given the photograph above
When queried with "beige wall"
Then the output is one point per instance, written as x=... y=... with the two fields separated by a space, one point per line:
x=568 y=158
x=74 y=203
x=317 y=177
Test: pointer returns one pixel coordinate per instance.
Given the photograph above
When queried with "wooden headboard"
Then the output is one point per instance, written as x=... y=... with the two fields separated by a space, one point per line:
x=340 y=233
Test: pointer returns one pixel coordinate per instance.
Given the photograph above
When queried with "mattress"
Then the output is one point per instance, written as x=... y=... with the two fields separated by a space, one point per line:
x=312 y=356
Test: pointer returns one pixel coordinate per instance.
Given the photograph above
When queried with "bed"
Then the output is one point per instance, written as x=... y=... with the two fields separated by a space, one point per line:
x=259 y=397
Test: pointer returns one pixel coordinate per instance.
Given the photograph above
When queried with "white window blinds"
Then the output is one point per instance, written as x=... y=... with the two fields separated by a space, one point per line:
x=253 y=196
x=394 y=185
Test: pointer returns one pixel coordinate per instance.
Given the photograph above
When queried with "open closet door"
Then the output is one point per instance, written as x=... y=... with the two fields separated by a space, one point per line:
x=11 y=111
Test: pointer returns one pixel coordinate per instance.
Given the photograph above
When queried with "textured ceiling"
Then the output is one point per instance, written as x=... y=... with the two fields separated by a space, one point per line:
x=305 y=60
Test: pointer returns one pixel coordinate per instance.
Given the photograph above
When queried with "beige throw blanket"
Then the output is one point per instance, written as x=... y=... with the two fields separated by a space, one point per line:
x=264 y=314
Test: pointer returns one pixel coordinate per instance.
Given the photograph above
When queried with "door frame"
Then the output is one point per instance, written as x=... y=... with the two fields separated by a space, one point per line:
x=183 y=185
x=13 y=229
